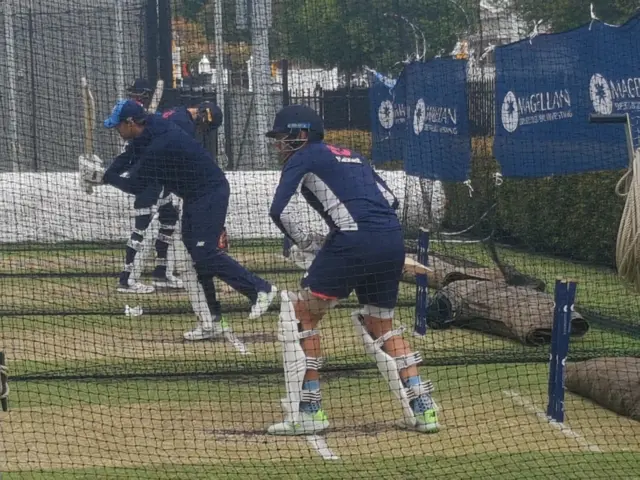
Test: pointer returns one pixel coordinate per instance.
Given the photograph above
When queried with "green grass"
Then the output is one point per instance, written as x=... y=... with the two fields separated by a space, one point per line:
x=185 y=426
x=568 y=466
x=484 y=436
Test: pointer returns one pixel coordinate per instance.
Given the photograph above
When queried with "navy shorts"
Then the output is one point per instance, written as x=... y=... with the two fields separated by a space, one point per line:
x=370 y=263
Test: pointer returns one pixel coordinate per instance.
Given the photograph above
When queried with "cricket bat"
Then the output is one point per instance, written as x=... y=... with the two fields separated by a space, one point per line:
x=157 y=97
x=3 y=381
x=89 y=104
x=413 y=267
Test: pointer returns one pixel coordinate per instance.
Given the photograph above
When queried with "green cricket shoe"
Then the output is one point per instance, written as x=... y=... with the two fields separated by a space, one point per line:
x=427 y=422
x=310 y=423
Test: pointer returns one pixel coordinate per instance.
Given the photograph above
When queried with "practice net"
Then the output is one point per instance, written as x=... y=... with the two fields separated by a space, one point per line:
x=438 y=95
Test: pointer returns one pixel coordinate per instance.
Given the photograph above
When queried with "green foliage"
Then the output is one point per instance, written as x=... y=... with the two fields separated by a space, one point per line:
x=201 y=12
x=573 y=216
x=352 y=33
x=566 y=14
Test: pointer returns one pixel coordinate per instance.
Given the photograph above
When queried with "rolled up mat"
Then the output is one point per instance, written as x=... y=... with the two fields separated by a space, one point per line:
x=613 y=383
x=445 y=272
x=521 y=313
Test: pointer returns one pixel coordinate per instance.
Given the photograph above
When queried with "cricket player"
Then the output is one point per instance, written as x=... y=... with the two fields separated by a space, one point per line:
x=204 y=117
x=168 y=159
x=364 y=251
x=141 y=92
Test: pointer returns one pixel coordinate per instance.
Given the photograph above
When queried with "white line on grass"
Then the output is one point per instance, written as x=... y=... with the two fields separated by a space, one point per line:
x=319 y=444
x=560 y=426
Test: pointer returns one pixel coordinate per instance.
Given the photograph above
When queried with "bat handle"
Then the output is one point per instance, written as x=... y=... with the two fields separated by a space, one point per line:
x=3 y=401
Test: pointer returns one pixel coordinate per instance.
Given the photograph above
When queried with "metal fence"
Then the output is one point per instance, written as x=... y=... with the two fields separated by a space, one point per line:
x=46 y=48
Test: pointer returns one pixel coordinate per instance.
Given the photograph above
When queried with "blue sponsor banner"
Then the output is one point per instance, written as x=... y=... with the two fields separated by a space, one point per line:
x=614 y=75
x=547 y=87
x=388 y=118
x=438 y=145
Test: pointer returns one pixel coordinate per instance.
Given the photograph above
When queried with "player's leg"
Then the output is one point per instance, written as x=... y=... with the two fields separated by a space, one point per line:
x=168 y=217
x=377 y=292
x=143 y=211
x=300 y=314
x=201 y=226
x=202 y=295
x=328 y=279
x=259 y=292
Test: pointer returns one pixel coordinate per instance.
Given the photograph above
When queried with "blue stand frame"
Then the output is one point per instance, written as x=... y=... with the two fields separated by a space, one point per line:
x=565 y=294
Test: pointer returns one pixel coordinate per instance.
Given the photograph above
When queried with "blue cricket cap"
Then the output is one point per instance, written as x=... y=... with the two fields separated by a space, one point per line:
x=125 y=110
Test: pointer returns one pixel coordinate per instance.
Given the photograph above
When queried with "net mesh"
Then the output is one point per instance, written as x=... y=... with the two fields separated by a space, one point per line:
x=103 y=381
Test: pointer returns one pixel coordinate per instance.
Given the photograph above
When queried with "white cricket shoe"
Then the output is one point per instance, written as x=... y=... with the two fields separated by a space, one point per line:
x=168 y=282
x=200 y=333
x=262 y=303
x=135 y=288
x=219 y=328
x=309 y=424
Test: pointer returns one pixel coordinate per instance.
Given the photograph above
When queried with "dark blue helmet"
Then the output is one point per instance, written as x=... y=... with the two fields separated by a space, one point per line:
x=209 y=115
x=292 y=119
x=140 y=88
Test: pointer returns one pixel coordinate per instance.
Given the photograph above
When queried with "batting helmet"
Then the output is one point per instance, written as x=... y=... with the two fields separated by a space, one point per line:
x=292 y=119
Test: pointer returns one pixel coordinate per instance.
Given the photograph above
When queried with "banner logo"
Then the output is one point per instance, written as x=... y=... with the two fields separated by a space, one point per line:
x=600 y=94
x=536 y=108
x=419 y=116
x=621 y=95
x=510 y=115
x=385 y=114
x=436 y=119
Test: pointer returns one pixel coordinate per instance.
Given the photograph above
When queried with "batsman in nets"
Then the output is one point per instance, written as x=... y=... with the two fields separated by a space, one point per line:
x=205 y=117
x=169 y=160
x=364 y=251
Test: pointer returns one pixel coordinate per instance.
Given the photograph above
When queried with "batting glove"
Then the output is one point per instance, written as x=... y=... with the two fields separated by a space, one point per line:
x=4 y=381
x=91 y=169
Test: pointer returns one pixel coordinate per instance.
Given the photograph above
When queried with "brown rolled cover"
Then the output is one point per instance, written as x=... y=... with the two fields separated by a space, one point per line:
x=446 y=272
x=613 y=383
x=521 y=313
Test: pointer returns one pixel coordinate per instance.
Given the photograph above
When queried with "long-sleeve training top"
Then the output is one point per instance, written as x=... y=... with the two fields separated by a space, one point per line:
x=183 y=118
x=340 y=185
x=166 y=156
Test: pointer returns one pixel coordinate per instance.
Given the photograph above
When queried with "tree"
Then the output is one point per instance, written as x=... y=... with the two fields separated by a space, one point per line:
x=352 y=33
x=563 y=15
x=348 y=34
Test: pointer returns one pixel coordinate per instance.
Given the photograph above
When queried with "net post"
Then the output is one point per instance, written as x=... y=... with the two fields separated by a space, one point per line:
x=422 y=285
x=564 y=299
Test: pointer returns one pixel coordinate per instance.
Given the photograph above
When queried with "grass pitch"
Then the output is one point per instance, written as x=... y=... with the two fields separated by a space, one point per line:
x=184 y=410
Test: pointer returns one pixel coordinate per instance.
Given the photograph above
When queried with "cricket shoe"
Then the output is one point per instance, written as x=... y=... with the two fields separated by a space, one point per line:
x=219 y=327
x=135 y=288
x=169 y=281
x=262 y=303
x=426 y=422
x=309 y=424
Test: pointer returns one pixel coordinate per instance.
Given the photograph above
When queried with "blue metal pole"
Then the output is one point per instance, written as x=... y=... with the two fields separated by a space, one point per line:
x=422 y=285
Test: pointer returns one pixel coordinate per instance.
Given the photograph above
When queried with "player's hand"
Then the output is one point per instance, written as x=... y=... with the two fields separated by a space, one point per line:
x=312 y=243
x=4 y=382
x=302 y=259
x=91 y=169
